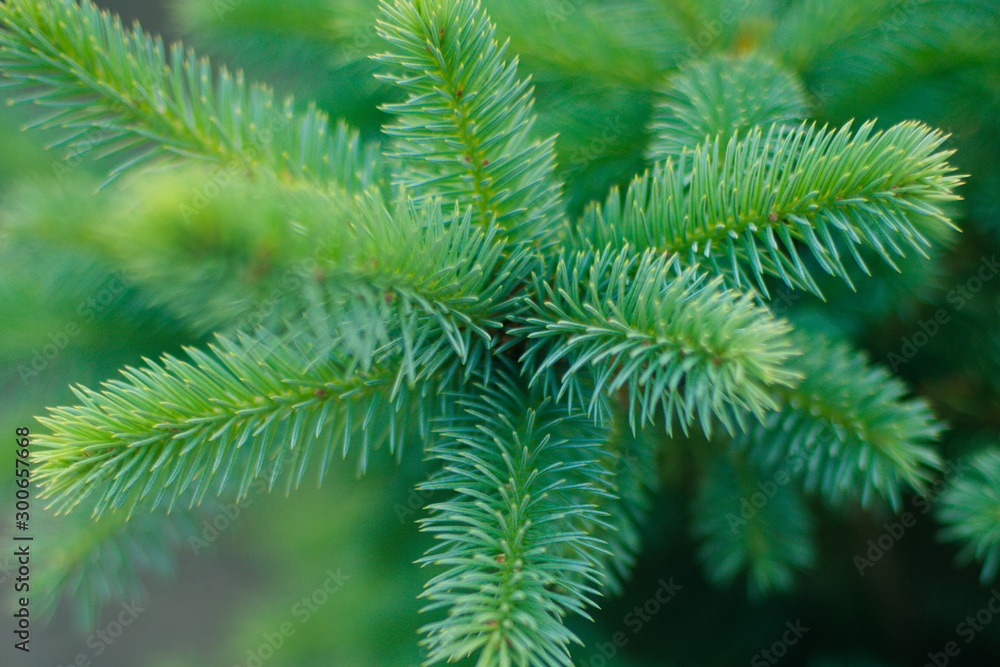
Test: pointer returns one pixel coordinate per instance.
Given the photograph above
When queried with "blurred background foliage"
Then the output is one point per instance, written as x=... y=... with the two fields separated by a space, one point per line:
x=595 y=66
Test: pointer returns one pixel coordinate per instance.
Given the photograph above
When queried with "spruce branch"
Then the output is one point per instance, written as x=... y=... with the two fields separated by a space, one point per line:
x=426 y=297
x=770 y=541
x=747 y=205
x=855 y=37
x=177 y=426
x=860 y=54
x=812 y=30
x=421 y=282
x=260 y=253
x=516 y=538
x=95 y=563
x=370 y=333
x=315 y=19
x=676 y=342
x=633 y=462
x=312 y=40
x=970 y=512
x=850 y=425
x=149 y=103
x=723 y=95
x=241 y=255
x=464 y=131
x=628 y=44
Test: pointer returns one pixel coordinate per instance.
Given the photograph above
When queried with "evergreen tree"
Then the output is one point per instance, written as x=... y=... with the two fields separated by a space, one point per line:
x=713 y=284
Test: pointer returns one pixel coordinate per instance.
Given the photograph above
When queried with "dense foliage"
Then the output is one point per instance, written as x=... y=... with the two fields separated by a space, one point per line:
x=712 y=290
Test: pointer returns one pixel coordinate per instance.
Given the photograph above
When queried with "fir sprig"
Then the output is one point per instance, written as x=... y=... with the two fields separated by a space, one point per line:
x=119 y=92
x=464 y=132
x=457 y=301
x=970 y=511
x=677 y=343
x=748 y=205
x=770 y=539
x=848 y=425
x=179 y=426
x=516 y=539
x=722 y=95
x=99 y=562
